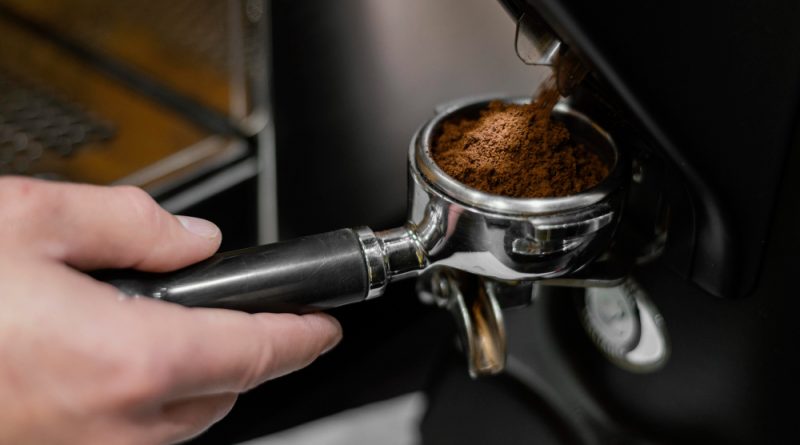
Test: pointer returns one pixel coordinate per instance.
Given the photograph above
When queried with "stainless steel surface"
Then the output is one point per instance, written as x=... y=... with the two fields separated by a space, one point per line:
x=610 y=270
x=374 y=259
x=403 y=254
x=627 y=327
x=535 y=42
x=477 y=313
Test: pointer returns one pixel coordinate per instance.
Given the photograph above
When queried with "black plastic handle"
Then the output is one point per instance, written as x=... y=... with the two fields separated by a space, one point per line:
x=303 y=275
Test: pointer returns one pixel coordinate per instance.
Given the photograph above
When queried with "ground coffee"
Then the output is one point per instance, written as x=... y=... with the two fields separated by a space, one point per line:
x=516 y=150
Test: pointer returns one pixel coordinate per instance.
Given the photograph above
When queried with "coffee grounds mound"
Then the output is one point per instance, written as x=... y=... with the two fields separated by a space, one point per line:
x=517 y=151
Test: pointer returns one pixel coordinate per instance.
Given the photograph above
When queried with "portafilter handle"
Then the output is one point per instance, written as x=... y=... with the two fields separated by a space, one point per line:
x=303 y=275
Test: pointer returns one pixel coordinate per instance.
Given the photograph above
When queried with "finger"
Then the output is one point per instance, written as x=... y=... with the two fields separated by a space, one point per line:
x=181 y=352
x=92 y=227
x=182 y=420
x=214 y=350
x=241 y=351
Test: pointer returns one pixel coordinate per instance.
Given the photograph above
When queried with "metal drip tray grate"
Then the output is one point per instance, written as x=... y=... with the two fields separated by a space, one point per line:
x=87 y=91
x=207 y=50
x=33 y=122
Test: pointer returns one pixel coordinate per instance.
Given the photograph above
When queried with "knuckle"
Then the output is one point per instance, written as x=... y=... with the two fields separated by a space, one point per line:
x=123 y=379
x=264 y=361
x=144 y=206
x=261 y=369
x=140 y=381
x=135 y=196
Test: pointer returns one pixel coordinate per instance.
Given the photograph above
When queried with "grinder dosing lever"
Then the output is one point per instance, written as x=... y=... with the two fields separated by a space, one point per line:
x=449 y=225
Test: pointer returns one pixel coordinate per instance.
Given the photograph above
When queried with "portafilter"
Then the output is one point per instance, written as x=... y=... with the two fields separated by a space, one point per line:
x=449 y=225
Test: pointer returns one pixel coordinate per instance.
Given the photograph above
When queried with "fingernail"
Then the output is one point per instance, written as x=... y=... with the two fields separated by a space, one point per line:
x=331 y=346
x=326 y=322
x=199 y=226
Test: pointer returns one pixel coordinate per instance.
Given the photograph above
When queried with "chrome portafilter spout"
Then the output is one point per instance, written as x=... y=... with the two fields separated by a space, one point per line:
x=452 y=230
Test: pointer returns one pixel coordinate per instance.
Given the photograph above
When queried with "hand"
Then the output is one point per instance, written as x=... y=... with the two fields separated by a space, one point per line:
x=80 y=364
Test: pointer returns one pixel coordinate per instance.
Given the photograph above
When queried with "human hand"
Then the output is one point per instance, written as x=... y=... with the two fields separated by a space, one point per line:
x=80 y=364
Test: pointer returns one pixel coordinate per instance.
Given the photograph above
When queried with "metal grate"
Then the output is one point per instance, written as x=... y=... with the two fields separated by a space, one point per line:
x=34 y=123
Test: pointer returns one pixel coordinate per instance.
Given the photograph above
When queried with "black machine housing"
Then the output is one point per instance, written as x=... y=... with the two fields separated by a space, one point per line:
x=706 y=96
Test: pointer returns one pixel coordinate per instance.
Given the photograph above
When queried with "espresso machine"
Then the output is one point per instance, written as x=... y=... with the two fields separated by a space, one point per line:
x=652 y=309
x=692 y=346
x=658 y=299
x=679 y=331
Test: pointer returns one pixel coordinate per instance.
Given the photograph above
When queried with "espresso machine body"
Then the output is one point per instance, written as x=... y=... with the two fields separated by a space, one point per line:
x=701 y=98
x=705 y=96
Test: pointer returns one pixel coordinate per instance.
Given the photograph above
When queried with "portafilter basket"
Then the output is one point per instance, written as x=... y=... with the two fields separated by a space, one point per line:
x=449 y=225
